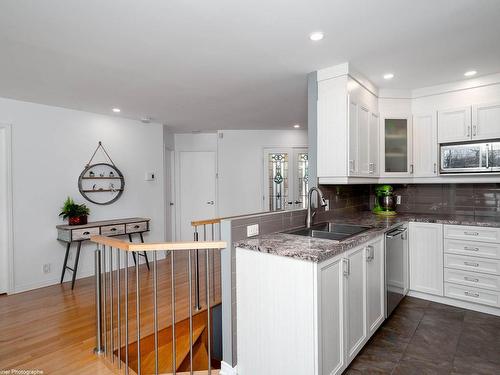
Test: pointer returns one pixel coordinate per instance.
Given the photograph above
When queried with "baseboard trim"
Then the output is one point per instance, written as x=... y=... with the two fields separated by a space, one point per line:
x=455 y=302
x=226 y=369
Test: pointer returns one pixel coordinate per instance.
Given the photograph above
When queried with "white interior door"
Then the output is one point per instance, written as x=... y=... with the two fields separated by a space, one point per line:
x=197 y=190
x=169 y=195
x=5 y=209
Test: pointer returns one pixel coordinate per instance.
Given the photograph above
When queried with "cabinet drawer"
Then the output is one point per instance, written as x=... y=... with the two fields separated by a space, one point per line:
x=84 y=234
x=472 y=248
x=137 y=227
x=473 y=279
x=474 y=264
x=470 y=294
x=113 y=230
x=466 y=232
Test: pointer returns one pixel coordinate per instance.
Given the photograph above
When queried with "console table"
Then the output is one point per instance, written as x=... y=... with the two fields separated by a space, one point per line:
x=78 y=233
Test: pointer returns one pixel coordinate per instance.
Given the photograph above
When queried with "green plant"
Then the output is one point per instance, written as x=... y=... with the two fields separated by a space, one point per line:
x=71 y=209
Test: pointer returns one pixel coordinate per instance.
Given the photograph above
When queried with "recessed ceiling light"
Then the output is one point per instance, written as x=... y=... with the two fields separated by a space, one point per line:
x=470 y=73
x=117 y=110
x=318 y=35
x=296 y=126
x=388 y=76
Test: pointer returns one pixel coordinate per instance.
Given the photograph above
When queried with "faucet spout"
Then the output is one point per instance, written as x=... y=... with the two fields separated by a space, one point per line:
x=322 y=203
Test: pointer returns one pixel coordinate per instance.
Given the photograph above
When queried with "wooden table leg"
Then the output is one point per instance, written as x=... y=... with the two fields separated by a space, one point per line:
x=68 y=245
x=75 y=267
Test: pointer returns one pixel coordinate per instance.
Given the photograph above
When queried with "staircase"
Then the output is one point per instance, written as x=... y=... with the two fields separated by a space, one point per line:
x=182 y=344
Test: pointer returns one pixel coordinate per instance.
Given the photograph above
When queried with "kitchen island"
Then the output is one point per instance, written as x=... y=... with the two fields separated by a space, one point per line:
x=319 y=301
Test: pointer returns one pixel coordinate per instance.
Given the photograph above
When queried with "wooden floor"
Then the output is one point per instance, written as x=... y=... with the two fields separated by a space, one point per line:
x=53 y=329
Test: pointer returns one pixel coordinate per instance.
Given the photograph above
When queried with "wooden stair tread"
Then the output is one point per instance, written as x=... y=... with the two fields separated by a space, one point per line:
x=165 y=352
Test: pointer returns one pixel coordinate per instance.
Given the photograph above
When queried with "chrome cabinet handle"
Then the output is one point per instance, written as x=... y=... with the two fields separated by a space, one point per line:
x=468 y=131
x=471 y=233
x=471 y=248
x=411 y=168
x=352 y=164
x=347 y=266
x=472 y=264
x=471 y=294
x=435 y=168
x=471 y=279
x=474 y=130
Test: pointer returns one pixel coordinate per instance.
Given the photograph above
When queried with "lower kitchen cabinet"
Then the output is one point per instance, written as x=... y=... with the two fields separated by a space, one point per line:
x=375 y=285
x=426 y=258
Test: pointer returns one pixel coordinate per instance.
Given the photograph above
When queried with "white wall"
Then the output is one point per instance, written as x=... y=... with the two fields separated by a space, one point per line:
x=241 y=166
x=50 y=147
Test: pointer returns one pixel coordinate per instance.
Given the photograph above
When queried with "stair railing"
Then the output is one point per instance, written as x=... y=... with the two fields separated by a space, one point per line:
x=108 y=270
x=213 y=226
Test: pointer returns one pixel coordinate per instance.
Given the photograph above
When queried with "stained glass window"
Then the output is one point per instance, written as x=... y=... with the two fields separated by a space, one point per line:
x=278 y=181
x=303 y=178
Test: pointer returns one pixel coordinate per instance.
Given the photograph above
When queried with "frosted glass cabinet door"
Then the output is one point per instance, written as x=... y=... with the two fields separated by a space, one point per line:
x=397 y=148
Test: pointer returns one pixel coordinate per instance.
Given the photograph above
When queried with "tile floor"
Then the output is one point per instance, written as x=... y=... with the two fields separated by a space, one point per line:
x=423 y=337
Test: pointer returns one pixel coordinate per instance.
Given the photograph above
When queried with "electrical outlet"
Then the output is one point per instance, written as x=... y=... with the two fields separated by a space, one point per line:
x=46 y=268
x=252 y=230
x=150 y=176
x=398 y=199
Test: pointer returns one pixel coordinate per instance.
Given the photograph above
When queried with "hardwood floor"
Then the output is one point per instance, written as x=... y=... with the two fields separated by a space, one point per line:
x=423 y=337
x=53 y=329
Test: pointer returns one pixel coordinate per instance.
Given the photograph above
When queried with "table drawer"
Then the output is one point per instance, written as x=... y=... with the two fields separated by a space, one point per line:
x=473 y=279
x=470 y=294
x=137 y=227
x=466 y=232
x=474 y=264
x=472 y=248
x=113 y=230
x=84 y=234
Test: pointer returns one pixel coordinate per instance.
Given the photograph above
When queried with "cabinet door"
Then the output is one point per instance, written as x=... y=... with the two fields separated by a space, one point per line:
x=375 y=288
x=330 y=294
x=355 y=303
x=425 y=145
x=426 y=258
x=363 y=140
x=353 y=139
x=397 y=145
x=374 y=142
x=454 y=125
x=486 y=121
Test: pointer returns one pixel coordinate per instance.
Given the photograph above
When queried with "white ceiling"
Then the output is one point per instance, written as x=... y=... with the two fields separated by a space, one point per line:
x=231 y=64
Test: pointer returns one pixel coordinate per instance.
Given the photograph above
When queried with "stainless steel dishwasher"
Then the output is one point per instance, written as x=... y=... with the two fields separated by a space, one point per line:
x=396 y=267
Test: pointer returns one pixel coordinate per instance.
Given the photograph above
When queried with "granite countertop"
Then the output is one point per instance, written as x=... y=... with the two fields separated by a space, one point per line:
x=317 y=250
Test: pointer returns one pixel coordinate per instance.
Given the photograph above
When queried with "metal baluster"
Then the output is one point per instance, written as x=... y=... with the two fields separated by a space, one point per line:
x=208 y=315
x=213 y=264
x=111 y=298
x=126 y=313
x=98 y=299
x=104 y=302
x=119 y=321
x=197 y=273
x=206 y=270
x=190 y=314
x=155 y=306
x=138 y=316
x=172 y=301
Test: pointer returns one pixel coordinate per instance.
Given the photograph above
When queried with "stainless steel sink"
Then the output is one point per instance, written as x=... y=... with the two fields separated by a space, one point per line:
x=331 y=231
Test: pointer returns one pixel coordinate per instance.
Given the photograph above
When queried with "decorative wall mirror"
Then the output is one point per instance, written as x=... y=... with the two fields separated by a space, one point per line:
x=101 y=183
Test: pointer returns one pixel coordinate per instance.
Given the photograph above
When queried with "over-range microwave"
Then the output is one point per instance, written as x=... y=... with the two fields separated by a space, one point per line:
x=470 y=157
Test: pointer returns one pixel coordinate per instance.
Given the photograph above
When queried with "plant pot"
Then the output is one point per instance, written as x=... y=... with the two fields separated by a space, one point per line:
x=77 y=220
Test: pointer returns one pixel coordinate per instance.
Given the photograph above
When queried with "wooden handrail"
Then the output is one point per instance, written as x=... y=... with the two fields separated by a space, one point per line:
x=206 y=222
x=134 y=246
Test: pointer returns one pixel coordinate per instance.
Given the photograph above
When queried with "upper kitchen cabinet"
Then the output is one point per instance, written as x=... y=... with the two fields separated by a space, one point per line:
x=347 y=128
x=425 y=145
x=396 y=144
x=477 y=122
x=486 y=121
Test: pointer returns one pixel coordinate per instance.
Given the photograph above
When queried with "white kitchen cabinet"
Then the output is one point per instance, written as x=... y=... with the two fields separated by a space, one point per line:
x=331 y=313
x=353 y=139
x=363 y=140
x=374 y=145
x=355 y=303
x=425 y=145
x=396 y=146
x=375 y=285
x=426 y=258
x=486 y=121
x=454 y=125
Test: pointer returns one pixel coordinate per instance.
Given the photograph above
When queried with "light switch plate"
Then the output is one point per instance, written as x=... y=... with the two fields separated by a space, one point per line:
x=150 y=176
x=398 y=199
x=252 y=230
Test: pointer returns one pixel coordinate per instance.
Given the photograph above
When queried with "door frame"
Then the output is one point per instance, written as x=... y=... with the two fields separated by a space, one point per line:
x=171 y=181
x=9 y=212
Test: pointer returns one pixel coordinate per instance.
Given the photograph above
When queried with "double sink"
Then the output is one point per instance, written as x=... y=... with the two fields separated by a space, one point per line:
x=331 y=231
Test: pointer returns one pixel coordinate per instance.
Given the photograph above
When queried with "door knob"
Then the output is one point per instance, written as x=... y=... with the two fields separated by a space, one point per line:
x=211 y=202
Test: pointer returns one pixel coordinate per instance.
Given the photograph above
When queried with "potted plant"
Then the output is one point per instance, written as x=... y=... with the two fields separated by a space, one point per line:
x=75 y=213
